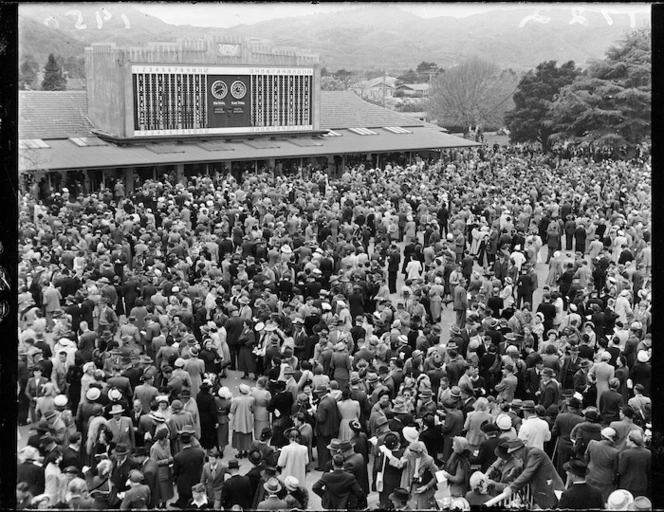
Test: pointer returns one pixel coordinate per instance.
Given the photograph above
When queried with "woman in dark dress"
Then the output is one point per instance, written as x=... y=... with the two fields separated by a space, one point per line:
x=391 y=475
x=207 y=412
x=360 y=441
x=247 y=361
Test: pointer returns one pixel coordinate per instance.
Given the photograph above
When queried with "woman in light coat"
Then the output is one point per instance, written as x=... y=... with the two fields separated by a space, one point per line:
x=242 y=420
x=418 y=475
x=294 y=457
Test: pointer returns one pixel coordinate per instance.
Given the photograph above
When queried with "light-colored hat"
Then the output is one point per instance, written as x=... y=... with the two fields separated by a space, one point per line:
x=244 y=389
x=410 y=434
x=642 y=356
x=224 y=392
x=619 y=499
x=60 y=401
x=609 y=433
x=93 y=394
x=291 y=483
x=504 y=422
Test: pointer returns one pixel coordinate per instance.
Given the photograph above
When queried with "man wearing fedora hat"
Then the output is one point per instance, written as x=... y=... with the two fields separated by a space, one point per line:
x=187 y=468
x=338 y=489
x=150 y=470
x=579 y=494
x=121 y=427
x=354 y=462
x=538 y=471
x=400 y=498
x=550 y=389
x=534 y=431
x=272 y=489
x=235 y=490
x=327 y=423
x=123 y=465
x=561 y=431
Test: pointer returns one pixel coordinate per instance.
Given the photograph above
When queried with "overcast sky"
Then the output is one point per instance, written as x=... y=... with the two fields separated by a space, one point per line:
x=231 y=14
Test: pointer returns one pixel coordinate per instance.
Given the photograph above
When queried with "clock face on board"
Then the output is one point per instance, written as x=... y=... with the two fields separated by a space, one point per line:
x=219 y=89
x=238 y=90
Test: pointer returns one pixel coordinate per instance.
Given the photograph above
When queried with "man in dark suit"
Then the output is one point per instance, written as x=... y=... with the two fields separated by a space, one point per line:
x=431 y=436
x=122 y=467
x=149 y=468
x=550 y=388
x=562 y=428
x=187 y=468
x=452 y=427
x=327 y=424
x=336 y=487
x=534 y=378
x=237 y=489
x=71 y=454
x=579 y=494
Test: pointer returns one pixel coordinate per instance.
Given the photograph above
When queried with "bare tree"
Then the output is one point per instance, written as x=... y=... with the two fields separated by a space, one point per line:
x=475 y=92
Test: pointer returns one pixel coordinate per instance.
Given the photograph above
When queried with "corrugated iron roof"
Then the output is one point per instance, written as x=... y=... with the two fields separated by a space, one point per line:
x=53 y=114
x=345 y=109
x=63 y=155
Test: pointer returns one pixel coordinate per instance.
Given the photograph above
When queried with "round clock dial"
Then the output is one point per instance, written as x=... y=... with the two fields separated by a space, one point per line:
x=219 y=89
x=238 y=90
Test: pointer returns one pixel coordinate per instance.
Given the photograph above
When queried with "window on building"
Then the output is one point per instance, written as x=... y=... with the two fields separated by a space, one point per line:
x=32 y=144
x=362 y=131
x=396 y=129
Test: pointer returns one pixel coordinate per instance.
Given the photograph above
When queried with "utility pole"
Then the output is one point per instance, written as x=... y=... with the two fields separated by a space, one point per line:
x=384 y=80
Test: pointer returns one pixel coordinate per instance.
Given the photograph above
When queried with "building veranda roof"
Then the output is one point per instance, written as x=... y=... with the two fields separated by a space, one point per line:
x=58 y=121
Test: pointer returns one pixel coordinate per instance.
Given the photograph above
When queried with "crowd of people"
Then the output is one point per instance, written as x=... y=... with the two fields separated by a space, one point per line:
x=476 y=327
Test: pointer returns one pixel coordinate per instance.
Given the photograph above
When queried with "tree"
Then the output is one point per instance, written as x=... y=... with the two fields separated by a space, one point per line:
x=529 y=121
x=74 y=66
x=409 y=77
x=27 y=73
x=475 y=92
x=610 y=103
x=54 y=80
x=426 y=71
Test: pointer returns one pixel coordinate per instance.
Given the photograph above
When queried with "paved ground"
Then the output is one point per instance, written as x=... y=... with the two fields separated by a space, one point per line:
x=233 y=382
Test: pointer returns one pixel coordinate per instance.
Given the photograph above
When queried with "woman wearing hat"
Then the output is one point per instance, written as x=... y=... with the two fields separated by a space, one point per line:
x=160 y=452
x=242 y=420
x=418 y=474
x=223 y=405
x=387 y=476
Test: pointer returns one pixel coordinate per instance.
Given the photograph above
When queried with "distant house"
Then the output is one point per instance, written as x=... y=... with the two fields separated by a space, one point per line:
x=375 y=89
x=414 y=90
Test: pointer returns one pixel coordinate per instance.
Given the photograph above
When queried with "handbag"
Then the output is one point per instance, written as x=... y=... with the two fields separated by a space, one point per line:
x=379 y=476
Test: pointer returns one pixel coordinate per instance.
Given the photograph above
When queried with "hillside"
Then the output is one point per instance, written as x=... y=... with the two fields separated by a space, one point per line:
x=373 y=36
